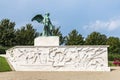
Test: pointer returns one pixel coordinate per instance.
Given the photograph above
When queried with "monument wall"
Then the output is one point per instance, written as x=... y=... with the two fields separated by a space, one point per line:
x=59 y=58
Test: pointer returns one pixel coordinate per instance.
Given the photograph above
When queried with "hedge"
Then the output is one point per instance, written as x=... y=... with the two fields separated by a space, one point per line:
x=111 y=57
x=3 y=49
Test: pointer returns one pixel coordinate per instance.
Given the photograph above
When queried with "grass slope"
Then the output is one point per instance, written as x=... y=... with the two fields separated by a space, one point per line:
x=4 y=66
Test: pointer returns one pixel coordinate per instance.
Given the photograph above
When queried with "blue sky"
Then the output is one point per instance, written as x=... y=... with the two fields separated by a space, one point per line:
x=84 y=15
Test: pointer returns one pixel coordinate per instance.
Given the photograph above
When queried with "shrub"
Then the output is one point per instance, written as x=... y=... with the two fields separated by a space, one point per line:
x=110 y=63
x=3 y=49
x=111 y=57
x=117 y=62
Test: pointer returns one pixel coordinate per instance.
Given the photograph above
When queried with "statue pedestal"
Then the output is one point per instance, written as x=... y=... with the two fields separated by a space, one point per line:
x=46 y=41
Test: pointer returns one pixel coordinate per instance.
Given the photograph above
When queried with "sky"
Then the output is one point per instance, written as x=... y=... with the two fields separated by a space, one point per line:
x=85 y=16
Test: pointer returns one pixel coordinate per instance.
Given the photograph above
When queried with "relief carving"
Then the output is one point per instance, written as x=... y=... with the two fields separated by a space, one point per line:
x=60 y=57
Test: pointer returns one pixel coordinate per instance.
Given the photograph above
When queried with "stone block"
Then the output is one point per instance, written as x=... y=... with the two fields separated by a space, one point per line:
x=46 y=41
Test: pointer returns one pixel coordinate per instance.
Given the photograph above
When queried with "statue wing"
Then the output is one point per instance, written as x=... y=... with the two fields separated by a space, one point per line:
x=39 y=18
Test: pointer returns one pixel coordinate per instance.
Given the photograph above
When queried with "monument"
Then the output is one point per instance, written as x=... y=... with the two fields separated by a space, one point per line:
x=47 y=38
x=47 y=55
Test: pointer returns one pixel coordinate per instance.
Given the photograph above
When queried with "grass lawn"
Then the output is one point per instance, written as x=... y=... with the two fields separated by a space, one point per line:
x=4 y=66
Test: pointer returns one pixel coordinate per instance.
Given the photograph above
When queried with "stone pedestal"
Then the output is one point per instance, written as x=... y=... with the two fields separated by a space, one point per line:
x=46 y=41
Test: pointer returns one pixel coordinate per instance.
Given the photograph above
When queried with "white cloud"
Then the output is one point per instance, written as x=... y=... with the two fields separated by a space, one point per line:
x=109 y=25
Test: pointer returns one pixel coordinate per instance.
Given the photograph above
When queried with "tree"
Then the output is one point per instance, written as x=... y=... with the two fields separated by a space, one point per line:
x=95 y=38
x=114 y=43
x=74 y=38
x=57 y=32
x=26 y=35
x=7 y=33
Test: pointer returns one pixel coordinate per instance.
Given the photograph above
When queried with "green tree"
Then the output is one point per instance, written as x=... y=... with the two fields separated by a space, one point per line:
x=7 y=33
x=26 y=35
x=57 y=32
x=114 y=43
x=74 y=38
x=95 y=38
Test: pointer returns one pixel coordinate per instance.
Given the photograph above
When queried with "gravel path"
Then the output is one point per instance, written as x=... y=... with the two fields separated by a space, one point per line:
x=37 y=75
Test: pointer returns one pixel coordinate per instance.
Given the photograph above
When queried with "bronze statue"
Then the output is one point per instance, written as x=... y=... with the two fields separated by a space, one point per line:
x=45 y=20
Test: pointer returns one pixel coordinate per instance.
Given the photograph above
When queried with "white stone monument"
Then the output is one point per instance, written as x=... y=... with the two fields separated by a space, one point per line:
x=47 y=55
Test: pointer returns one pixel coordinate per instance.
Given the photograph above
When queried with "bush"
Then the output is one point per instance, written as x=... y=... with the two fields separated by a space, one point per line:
x=110 y=63
x=3 y=49
x=111 y=57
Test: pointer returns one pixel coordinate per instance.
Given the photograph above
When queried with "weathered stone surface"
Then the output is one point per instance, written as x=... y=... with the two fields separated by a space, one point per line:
x=61 y=58
x=46 y=41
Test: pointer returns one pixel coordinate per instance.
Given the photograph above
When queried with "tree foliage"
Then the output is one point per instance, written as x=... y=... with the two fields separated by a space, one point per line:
x=95 y=38
x=114 y=43
x=7 y=33
x=57 y=32
x=74 y=38
x=26 y=35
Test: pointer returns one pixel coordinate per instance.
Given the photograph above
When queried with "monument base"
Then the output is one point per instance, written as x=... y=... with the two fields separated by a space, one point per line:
x=46 y=41
x=59 y=58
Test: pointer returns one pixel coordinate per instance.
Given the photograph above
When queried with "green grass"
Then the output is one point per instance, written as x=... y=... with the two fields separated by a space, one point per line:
x=4 y=66
x=110 y=63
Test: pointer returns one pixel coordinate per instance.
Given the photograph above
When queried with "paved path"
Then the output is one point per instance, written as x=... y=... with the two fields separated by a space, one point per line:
x=29 y=75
